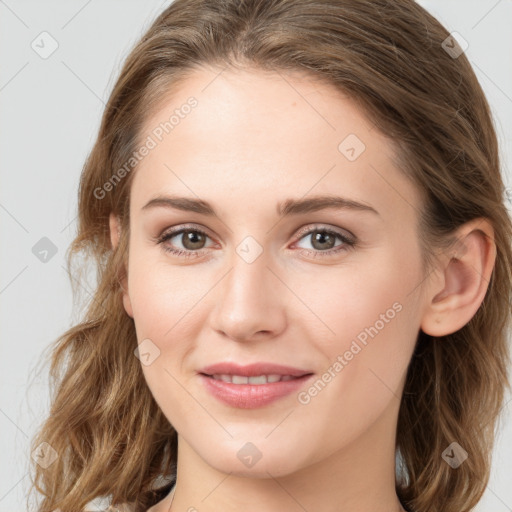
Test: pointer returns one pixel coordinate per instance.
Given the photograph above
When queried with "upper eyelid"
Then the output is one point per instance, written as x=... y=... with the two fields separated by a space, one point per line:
x=173 y=231
x=303 y=231
x=324 y=227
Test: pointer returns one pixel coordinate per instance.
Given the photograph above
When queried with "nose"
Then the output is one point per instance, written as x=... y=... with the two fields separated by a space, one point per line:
x=250 y=301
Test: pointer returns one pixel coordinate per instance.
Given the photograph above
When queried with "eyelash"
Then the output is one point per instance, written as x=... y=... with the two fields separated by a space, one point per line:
x=345 y=246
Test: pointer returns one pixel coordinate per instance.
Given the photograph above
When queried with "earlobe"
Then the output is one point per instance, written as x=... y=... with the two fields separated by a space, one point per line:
x=115 y=233
x=462 y=280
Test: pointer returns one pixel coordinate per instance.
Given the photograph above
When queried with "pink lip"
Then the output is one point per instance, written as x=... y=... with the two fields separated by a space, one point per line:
x=253 y=370
x=251 y=396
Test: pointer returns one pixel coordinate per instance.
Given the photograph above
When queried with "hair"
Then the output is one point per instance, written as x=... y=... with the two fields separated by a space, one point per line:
x=111 y=437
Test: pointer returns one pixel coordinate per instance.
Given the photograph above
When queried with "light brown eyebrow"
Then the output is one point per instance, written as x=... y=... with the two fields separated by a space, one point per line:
x=316 y=203
x=285 y=208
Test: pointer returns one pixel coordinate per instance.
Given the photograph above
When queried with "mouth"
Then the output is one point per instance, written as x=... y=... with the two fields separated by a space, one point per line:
x=254 y=385
x=255 y=390
x=255 y=380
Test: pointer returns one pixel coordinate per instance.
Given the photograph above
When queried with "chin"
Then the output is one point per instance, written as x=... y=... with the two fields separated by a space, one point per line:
x=261 y=470
x=258 y=459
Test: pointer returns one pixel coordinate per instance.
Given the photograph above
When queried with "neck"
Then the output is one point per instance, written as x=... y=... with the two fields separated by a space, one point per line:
x=359 y=477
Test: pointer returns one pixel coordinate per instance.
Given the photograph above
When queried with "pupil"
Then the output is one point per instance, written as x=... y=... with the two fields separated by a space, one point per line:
x=190 y=240
x=320 y=236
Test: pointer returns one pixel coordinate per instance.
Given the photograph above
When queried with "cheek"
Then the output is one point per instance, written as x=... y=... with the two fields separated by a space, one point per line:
x=166 y=303
x=374 y=324
x=369 y=316
x=163 y=304
x=162 y=298
x=343 y=301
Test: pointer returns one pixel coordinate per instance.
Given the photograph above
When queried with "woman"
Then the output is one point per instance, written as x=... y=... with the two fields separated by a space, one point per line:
x=297 y=215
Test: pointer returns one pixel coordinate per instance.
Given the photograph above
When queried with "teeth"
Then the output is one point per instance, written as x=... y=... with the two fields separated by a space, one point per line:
x=259 y=379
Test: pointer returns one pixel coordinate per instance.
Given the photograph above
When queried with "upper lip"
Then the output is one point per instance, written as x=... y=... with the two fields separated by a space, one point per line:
x=252 y=370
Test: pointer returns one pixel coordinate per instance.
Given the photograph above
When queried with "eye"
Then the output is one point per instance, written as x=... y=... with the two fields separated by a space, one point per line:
x=323 y=241
x=193 y=240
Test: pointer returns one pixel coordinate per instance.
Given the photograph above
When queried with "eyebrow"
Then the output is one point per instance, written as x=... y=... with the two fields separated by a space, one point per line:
x=285 y=208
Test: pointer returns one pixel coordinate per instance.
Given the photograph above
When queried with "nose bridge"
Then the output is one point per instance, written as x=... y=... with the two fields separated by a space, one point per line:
x=248 y=278
x=247 y=301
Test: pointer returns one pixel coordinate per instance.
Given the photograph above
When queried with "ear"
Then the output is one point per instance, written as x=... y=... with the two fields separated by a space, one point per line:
x=115 y=233
x=459 y=285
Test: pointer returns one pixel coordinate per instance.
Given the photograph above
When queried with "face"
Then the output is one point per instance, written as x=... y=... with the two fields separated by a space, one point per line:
x=332 y=291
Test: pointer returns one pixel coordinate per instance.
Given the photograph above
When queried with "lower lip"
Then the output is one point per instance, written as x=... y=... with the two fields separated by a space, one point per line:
x=251 y=396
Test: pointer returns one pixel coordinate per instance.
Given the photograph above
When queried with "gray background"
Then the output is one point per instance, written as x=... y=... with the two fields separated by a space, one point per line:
x=50 y=113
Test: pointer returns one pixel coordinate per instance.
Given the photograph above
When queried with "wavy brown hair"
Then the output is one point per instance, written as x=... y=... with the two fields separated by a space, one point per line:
x=111 y=437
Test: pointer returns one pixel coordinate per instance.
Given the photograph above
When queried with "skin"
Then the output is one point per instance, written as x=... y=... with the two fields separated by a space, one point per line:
x=254 y=140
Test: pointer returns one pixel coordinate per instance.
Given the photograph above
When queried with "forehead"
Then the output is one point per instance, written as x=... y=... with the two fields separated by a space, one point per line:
x=264 y=134
x=252 y=107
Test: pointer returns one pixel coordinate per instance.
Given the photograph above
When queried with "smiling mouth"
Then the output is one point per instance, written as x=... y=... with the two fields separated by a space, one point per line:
x=254 y=391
